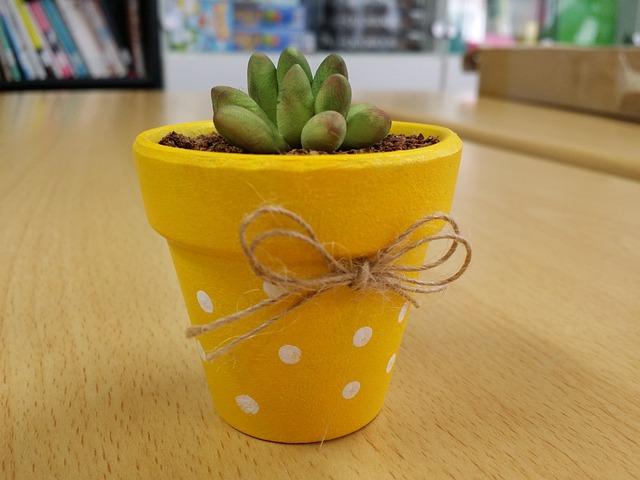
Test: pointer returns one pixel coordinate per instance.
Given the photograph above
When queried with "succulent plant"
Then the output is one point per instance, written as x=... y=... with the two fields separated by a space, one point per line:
x=325 y=131
x=289 y=107
x=366 y=125
x=330 y=65
x=295 y=104
x=262 y=83
x=334 y=94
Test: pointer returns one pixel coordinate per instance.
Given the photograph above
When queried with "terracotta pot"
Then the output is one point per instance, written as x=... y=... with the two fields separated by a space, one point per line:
x=322 y=371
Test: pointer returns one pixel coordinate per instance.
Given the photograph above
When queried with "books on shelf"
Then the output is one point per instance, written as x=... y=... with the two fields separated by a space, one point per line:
x=70 y=39
x=50 y=10
x=8 y=61
x=61 y=60
x=40 y=46
x=84 y=39
x=104 y=38
x=18 y=42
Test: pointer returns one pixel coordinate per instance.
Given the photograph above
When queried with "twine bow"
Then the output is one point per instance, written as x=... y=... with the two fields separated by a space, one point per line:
x=377 y=272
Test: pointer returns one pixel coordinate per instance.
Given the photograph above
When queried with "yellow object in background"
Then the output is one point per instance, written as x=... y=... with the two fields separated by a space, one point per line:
x=322 y=371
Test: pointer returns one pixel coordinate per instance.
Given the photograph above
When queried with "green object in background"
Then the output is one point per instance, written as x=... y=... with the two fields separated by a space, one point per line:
x=587 y=22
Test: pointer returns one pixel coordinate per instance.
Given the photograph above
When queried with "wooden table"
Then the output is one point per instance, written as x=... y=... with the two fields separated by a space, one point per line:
x=591 y=141
x=529 y=367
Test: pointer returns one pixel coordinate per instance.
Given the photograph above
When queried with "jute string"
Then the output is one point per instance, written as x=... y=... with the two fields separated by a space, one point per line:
x=377 y=272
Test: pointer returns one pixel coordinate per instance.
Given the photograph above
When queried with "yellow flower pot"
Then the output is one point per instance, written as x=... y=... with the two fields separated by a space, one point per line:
x=323 y=370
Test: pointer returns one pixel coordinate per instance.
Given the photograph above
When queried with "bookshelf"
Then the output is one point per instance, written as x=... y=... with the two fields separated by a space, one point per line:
x=134 y=60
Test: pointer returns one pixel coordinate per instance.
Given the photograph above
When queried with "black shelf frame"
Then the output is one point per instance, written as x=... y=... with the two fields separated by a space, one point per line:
x=73 y=84
x=151 y=46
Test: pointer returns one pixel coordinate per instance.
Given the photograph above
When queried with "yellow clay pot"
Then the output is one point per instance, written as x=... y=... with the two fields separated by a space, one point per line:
x=322 y=371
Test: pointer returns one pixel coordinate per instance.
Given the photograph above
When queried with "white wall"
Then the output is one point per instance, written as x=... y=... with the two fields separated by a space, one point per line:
x=367 y=71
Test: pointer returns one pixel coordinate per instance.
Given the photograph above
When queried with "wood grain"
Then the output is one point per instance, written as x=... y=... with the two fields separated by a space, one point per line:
x=529 y=367
x=593 y=80
x=590 y=141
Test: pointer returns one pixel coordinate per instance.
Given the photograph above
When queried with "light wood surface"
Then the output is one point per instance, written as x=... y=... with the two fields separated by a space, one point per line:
x=597 y=80
x=591 y=141
x=529 y=367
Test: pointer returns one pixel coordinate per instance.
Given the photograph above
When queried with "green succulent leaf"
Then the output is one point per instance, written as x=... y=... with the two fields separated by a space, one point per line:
x=295 y=105
x=288 y=58
x=325 y=131
x=222 y=97
x=262 y=81
x=331 y=64
x=366 y=125
x=335 y=94
x=245 y=129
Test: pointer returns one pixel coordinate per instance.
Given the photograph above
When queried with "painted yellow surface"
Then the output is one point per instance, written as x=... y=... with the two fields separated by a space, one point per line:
x=322 y=371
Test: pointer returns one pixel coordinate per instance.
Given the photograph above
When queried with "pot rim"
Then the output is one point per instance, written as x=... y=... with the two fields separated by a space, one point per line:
x=146 y=144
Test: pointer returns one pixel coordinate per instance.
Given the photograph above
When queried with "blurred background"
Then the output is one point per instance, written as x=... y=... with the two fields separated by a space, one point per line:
x=389 y=44
x=394 y=45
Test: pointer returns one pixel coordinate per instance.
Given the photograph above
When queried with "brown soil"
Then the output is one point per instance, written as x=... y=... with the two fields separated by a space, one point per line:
x=216 y=143
x=205 y=143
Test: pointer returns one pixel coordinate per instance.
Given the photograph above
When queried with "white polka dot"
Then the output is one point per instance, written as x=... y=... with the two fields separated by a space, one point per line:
x=362 y=336
x=272 y=291
x=350 y=390
x=391 y=362
x=247 y=404
x=289 y=354
x=205 y=302
x=403 y=312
